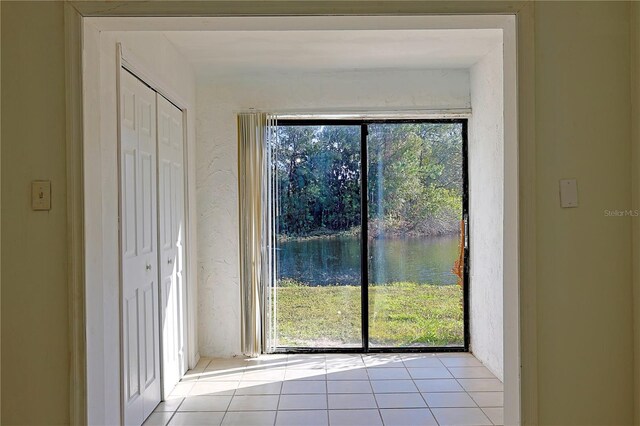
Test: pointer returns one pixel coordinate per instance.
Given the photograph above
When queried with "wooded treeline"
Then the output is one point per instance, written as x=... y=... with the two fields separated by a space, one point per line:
x=414 y=179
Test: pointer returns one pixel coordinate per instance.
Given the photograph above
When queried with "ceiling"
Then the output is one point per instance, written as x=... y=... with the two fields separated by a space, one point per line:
x=215 y=52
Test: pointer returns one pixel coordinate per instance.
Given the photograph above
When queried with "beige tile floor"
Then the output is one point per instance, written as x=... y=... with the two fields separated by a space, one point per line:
x=336 y=389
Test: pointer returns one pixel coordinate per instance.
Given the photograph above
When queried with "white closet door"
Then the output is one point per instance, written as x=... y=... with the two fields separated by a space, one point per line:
x=138 y=227
x=171 y=236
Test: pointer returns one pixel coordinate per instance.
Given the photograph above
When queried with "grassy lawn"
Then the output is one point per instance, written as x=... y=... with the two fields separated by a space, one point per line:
x=401 y=314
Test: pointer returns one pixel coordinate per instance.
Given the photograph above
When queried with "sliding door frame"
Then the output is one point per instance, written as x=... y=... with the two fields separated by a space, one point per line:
x=364 y=237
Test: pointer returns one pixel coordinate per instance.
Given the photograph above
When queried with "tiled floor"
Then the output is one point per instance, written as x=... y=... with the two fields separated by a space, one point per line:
x=341 y=389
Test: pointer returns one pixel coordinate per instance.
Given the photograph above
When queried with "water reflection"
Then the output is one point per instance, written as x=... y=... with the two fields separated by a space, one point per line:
x=336 y=260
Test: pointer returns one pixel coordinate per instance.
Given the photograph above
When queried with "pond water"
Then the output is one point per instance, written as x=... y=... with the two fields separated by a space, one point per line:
x=336 y=260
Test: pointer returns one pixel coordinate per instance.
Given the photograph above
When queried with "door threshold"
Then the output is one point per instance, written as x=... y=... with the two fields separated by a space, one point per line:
x=436 y=349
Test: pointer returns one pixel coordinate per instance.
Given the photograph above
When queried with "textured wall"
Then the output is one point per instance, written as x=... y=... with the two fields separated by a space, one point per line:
x=486 y=211
x=216 y=174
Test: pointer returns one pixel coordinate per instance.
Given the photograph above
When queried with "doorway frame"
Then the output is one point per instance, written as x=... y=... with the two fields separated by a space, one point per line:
x=103 y=388
x=520 y=267
x=364 y=123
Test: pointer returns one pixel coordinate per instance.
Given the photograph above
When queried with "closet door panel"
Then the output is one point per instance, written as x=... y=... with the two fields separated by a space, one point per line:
x=139 y=257
x=171 y=209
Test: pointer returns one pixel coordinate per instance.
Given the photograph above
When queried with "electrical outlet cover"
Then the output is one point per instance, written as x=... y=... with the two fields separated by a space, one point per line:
x=568 y=193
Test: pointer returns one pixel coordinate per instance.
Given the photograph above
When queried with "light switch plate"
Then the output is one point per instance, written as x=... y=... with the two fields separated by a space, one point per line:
x=568 y=193
x=41 y=195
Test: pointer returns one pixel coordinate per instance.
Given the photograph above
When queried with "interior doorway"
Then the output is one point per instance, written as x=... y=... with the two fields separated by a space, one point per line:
x=371 y=225
x=100 y=155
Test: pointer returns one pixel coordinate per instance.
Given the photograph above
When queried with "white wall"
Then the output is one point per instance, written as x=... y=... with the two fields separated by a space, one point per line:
x=218 y=101
x=486 y=205
x=167 y=67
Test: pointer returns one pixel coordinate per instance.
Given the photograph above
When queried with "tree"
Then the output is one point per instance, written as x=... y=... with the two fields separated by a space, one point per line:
x=414 y=180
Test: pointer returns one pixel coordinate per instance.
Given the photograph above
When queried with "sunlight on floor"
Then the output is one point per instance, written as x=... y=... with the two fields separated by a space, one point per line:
x=336 y=389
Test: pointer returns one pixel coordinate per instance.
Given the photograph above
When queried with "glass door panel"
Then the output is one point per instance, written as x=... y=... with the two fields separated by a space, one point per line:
x=317 y=295
x=415 y=191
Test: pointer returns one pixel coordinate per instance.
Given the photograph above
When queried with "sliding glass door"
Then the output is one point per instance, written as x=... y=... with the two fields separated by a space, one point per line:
x=370 y=252
x=317 y=291
x=415 y=203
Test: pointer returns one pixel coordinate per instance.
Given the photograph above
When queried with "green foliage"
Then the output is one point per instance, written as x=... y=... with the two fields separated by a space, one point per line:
x=415 y=178
x=318 y=174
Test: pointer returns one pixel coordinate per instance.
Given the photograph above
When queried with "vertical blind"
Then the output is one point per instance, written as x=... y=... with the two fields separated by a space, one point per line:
x=257 y=236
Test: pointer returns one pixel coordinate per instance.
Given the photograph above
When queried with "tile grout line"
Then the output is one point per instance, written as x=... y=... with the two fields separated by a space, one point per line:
x=376 y=399
x=413 y=380
x=467 y=393
x=184 y=397
x=326 y=388
x=490 y=419
x=463 y=388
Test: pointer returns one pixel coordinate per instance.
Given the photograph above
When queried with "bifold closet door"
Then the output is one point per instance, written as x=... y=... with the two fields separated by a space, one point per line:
x=171 y=212
x=138 y=233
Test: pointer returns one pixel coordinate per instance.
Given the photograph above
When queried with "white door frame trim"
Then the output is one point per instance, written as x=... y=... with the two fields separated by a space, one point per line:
x=521 y=400
x=75 y=217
